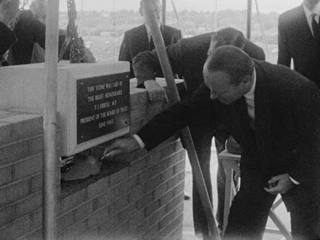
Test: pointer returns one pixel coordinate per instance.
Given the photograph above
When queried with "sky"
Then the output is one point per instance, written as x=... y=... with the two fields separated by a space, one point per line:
x=265 y=6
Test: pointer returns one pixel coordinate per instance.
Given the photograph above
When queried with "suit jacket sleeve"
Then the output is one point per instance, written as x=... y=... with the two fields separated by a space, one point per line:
x=254 y=51
x=196 y=108
x=306 y=164
x=284 y=57
x=146 y=64
x=7 y=38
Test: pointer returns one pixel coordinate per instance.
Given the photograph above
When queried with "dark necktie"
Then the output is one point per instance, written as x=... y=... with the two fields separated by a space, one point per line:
x=315 y=27
x=151 y=43
x=316 y=33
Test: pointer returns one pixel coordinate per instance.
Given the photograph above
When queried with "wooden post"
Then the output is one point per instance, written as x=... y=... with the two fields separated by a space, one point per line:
x=164 y=11
x=185 y=133
x=249 y=14
x=50 y=123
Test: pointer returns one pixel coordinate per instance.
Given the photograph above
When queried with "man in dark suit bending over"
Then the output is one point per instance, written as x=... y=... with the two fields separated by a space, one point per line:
x=299 y=39
x=187 y=58
x=274 y=113
x=139 y=39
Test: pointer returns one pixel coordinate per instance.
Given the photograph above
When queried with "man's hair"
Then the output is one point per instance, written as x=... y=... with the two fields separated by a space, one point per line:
x=231 y=60
x=141 y=1
x=229 y=36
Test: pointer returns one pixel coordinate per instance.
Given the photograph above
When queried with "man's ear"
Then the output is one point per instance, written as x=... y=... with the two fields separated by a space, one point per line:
x=213 y=42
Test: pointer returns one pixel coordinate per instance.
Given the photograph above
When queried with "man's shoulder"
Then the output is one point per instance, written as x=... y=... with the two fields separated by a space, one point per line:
x=135 y=30
x=171 y=29
x=291 y=14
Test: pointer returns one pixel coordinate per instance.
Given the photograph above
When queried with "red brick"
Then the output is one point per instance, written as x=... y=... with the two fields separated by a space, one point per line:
x=101 y=215
x=90 y=235
x=83 y=211
x=106 y=227
x=167 y=174
x=137 y=166
x=152 y=208
x=28 y=205
x=98 y=187
x=28 y=166
x=19 y=127
x=179 y=167
x=72 y=201
x=159 y=191
x=174 y=203
x=34 y=235
x=154 y=157
x=36 y=145
x=17 y=191
x=118 y=177
x=76 y=230
x=165 y=232
x=153 y=183
x=151 y=232
x=103 y=199
x=13 y=152
x=167 y=197
x=6 y=174
x=136 y=193
x=16 y=229
x=65 y=221
x=136 y=218
x=145 y=200
x=36 y=183
x=7 y=215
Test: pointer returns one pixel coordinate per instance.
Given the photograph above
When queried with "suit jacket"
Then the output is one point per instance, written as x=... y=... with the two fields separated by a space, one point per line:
x=136 y=40
x=187 y=58
x=296 y=42
x=6 y=40
x=286 y=138
x=28 y=31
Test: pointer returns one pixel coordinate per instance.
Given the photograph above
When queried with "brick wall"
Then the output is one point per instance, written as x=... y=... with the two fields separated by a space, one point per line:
x=141 y=201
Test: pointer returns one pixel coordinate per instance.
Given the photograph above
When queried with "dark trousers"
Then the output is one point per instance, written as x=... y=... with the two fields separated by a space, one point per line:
x=305 y=221
x=250 y=208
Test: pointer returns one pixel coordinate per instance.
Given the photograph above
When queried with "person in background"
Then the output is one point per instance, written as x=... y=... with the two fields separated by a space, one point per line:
x=299 y=39
x=8 y=13
x=274 y=114
x=187 y=58
x=139 y=39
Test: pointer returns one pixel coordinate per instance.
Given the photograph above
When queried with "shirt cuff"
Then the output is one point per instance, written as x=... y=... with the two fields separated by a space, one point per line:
x=294 y=181
x=138 y=139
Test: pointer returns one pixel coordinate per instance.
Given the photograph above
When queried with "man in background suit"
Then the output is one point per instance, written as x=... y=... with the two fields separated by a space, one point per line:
x=187 y=58
x=274 y=113
x=139 y=39
x=299 y=39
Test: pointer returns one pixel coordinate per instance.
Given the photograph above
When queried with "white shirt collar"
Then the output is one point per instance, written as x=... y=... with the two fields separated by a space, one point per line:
x=149 y=30
x=308 y=12
x=250 y=94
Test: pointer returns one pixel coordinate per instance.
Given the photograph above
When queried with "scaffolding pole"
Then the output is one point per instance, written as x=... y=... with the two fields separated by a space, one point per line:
x=50 y=123
x=185 y=133
x=249 y=15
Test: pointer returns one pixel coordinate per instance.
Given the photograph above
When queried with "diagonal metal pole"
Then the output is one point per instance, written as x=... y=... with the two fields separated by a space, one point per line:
x=50 y=123
x=185 y=133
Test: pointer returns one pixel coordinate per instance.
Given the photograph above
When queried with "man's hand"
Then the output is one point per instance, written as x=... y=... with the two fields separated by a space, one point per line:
x=156 y=93
x=280 y=184
x=121 y=146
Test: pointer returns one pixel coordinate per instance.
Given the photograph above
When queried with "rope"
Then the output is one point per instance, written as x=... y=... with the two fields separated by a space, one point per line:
x=262 y=29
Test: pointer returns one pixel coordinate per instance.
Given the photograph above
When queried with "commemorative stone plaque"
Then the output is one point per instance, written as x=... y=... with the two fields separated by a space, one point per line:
x=102 y=106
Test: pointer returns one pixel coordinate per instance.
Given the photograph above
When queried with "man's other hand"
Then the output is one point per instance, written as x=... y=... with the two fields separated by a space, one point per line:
x=121 y=146
x=280 y=184
x=156 y=93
